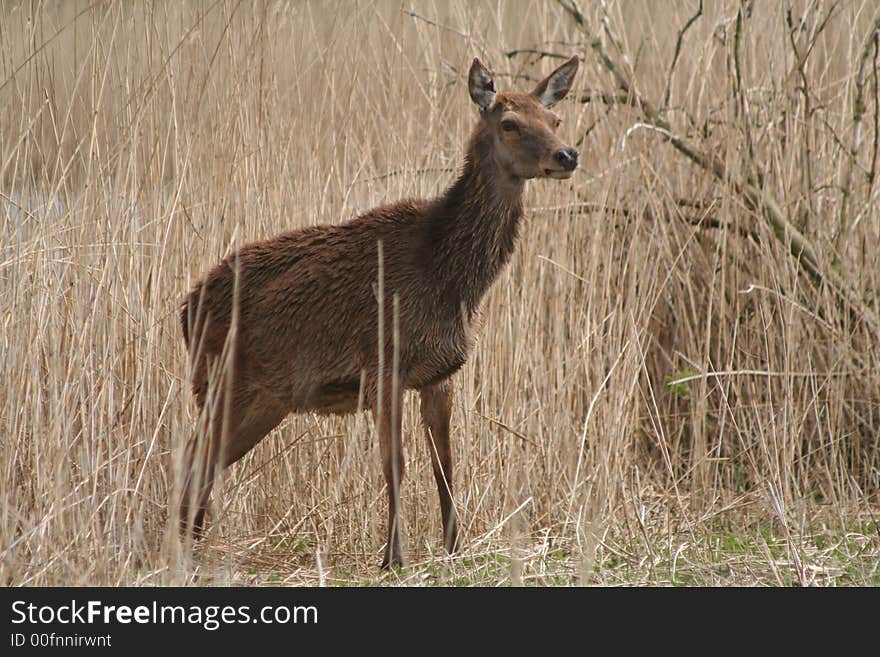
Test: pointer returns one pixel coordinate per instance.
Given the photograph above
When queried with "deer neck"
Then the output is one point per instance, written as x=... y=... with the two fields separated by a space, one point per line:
x=474 y=226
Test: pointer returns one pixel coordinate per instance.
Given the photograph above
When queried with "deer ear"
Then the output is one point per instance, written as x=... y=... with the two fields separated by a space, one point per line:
x=553 y=88
x=480 y=86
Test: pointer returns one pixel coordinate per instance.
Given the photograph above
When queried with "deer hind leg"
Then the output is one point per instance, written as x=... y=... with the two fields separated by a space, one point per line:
x=387 y=417
x=250 y=420
x=436 y=408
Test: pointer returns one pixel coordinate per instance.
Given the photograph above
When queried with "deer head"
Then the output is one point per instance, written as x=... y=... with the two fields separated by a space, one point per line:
x=523 y=126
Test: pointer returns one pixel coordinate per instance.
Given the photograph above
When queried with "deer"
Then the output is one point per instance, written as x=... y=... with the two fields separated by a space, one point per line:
x=332 y=319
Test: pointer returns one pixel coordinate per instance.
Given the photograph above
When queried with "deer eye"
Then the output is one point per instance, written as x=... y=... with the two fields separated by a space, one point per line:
x=509 y=126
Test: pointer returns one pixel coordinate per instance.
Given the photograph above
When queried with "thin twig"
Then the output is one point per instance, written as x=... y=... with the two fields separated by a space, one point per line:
x=403 y=172
x=436 y=24
x=693 y=19
x=533 y=51
x=792 y=548
x=767 y=373
x=821 y=27
x=509 y=429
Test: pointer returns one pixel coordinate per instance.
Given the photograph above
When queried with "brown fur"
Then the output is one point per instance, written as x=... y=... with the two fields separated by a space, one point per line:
x=306 y=329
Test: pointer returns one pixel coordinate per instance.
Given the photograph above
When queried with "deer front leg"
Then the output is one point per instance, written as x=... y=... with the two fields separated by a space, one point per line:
x=387 y=416
x=199 y=463
x=436 y=410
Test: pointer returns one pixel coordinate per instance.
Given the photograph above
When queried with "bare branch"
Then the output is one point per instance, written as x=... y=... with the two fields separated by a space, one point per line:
x=872 y=173
x=702 y=219
x=740 y=97
x=570 y=6
x=859 y=110
x=805 y=89
x=591 y=96
x=804 y=54
x=756 y=198
x=693 y=19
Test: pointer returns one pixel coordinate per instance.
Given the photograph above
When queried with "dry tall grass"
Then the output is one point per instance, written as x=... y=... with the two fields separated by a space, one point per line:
x=140 y=142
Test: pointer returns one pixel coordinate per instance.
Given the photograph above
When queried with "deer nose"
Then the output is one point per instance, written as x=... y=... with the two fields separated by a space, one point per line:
x=567 y=158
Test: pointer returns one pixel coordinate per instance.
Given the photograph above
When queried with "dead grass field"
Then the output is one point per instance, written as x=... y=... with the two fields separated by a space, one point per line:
x=668 y=389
